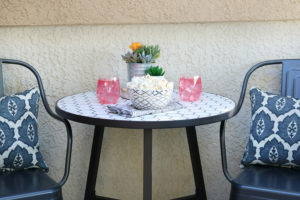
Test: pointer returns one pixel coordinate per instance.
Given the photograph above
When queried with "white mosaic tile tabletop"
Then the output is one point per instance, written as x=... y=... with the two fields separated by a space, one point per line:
x=87 y=105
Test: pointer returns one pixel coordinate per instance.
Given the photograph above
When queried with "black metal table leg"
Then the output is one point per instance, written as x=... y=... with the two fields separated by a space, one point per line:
x=147 y=189
x=90 y=193
x=196 y=162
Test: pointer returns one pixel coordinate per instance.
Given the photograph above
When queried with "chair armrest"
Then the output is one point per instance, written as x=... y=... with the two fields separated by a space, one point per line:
x=223 y=151
x=68 y=150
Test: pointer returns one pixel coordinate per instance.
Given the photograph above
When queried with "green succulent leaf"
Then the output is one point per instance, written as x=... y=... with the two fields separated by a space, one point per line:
x=155 y=71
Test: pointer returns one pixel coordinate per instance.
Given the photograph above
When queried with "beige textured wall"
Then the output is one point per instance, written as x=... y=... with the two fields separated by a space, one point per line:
x=53 y=12
x=70 y=59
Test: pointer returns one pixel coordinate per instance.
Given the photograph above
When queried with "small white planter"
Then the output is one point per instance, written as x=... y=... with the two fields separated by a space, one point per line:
x=150 y=99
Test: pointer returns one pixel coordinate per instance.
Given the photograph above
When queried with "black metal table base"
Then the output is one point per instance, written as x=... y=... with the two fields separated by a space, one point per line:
x=200 y=193
x=191 y=197
x=102 y=198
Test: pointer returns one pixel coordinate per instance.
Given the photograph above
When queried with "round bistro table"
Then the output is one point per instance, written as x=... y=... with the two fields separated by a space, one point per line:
x=85 y=108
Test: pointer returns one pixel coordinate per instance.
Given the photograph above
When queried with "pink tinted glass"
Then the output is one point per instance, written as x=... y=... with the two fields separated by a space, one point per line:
x=108 y=90
x=190 y=88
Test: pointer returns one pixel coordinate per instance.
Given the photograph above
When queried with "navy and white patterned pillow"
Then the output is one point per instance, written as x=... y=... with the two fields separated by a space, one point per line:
x=19 y=144
x=275 y=130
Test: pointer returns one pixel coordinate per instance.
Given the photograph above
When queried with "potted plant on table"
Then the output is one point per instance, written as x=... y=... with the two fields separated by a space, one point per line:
x=140 y=58
x=152 y=91
x=155 y=71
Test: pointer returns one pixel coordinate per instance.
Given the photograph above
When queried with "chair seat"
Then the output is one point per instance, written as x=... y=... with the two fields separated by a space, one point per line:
x=263 y=182
x=33 y=184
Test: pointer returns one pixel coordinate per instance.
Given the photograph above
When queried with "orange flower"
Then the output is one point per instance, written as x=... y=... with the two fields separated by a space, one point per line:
x=135 y=45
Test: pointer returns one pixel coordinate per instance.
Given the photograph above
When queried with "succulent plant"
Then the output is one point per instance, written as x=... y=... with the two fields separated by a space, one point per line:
x=154 y=51
x=132 y=57
x=142 y=53
x=146 y=58
x=155 y=71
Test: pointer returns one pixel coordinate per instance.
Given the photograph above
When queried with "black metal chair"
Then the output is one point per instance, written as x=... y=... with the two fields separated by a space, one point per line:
x=34 y=184
x=262 y=182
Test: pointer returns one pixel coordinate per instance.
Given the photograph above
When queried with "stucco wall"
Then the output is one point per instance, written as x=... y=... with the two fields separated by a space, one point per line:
x=70 y=59
x=53 y=12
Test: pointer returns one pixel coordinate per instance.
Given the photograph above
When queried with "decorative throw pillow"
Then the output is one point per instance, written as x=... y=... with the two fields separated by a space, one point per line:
x=275 y=130
x=19 y=144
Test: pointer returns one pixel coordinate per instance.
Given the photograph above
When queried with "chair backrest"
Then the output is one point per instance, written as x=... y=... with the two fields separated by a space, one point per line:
x=290 y=84
x=48 y=109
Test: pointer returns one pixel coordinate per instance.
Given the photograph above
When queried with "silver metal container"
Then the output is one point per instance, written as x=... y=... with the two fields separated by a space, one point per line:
x=137 y=69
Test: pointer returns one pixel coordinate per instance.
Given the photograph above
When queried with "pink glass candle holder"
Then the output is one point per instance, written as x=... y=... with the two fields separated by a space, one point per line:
x=190 y=88
x=108 y=90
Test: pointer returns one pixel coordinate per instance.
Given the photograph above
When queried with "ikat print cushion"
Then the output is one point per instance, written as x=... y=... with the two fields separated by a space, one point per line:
x=275 y=130
x=19 y=144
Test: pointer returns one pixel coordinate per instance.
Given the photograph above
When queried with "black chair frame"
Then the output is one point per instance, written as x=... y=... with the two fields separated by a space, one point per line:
x=264 y=191
x=51 y=113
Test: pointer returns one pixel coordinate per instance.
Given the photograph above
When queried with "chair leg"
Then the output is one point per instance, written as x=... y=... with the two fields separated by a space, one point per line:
x=90 y=192
x=61 y=196
x=196 y=162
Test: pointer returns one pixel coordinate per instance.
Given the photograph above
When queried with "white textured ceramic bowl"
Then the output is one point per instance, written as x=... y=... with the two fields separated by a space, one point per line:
x=150 y=99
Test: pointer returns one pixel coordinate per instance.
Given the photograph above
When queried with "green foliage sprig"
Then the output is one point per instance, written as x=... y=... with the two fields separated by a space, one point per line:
x=155 y=71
